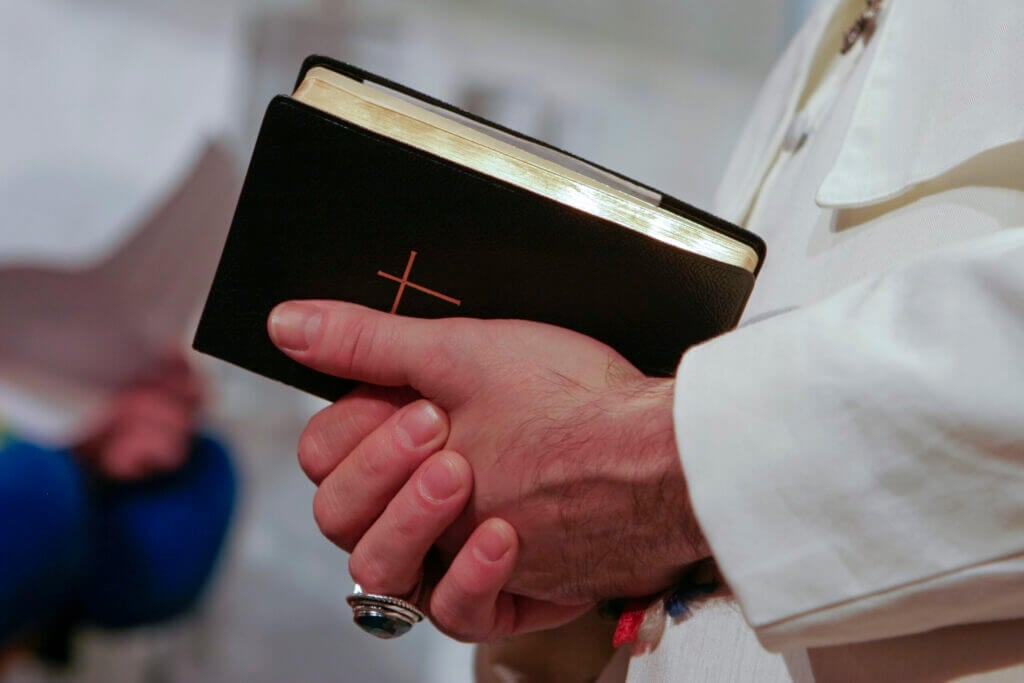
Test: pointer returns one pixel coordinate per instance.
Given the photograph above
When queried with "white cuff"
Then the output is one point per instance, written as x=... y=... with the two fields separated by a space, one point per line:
x=834 y=471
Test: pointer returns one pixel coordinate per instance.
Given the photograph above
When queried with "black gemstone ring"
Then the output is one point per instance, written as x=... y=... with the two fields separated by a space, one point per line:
x=383 y=616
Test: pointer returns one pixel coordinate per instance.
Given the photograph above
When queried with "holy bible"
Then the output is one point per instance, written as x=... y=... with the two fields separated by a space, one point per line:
x=362 y=190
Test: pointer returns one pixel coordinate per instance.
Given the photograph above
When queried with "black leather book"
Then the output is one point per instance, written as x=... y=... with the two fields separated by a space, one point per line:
x=362 y=190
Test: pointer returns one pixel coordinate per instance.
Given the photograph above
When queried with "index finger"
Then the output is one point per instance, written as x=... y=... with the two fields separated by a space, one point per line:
x=336 y=430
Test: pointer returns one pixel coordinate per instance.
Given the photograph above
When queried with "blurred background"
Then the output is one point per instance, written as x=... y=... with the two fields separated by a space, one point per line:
x=107 y=105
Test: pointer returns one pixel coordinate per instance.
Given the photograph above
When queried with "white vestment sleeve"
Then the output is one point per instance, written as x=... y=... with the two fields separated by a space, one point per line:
x=858 y=465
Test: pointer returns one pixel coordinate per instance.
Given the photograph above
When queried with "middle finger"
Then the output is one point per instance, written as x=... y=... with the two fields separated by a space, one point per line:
x=389 y=557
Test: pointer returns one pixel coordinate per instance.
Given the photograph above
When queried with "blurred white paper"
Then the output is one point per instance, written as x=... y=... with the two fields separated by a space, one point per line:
x=71 y=335
x=105 y=105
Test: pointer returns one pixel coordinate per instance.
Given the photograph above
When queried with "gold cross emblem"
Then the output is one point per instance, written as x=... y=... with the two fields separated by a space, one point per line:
x=404 y=282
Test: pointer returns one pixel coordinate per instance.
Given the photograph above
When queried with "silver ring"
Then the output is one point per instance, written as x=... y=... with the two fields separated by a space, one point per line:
x=383 y=616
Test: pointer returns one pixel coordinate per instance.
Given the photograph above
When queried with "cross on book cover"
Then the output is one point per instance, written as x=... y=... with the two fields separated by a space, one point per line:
x=404 y=282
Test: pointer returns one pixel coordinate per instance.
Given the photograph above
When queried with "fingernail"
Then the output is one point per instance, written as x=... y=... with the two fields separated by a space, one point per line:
x=492 y=543
x=419 y=425
x=441 y=480
x=292 y=326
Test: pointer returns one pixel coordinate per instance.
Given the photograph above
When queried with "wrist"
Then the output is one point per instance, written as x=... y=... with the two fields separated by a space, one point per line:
x=663 y=530
x=674 y=491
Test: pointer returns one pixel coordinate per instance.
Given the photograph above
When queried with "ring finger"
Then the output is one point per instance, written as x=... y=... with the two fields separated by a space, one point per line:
x=352 y=496
x=389 y=558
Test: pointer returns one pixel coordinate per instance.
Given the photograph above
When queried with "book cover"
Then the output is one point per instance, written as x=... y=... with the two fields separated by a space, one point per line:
x=334 y=210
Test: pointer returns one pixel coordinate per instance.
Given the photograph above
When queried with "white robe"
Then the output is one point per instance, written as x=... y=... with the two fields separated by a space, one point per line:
x=855 y=451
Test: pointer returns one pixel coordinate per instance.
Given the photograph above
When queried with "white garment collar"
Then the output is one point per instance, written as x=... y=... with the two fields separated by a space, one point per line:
x=945 y=85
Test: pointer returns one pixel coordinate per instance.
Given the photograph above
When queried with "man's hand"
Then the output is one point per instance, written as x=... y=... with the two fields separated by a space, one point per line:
x=563 y=440
x=147 y=427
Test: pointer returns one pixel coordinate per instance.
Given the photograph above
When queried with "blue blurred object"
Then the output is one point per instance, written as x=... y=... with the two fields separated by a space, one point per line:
x=44 y=536
x=113 y=555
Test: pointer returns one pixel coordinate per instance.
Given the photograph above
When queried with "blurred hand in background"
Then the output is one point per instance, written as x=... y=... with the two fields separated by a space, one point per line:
x=148 y=426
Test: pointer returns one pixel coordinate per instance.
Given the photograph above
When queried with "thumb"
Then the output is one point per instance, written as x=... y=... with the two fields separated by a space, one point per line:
x=362 y=344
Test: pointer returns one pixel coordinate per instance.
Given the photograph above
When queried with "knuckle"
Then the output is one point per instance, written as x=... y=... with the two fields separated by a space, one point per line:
x=376 y=463
x=445 y=617
x=370 y=573
x=440 y=357
x=355 y=345
x=332 y=434
x=332 y=523
x=412 y=520
x=452 y=618
x=311 y=453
